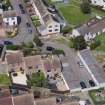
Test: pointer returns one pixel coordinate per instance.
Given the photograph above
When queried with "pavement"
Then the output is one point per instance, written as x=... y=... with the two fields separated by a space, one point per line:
x=23 y=34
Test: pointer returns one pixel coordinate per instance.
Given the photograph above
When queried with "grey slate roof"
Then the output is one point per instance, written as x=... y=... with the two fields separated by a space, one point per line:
x=93 y=26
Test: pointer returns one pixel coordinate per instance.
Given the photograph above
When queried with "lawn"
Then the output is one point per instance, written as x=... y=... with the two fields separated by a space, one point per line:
x=73 y=14
x=101 y=38
x=4 y=79
x=98 y=100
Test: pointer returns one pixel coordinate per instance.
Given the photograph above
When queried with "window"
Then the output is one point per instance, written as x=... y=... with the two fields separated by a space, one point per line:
x=7 y=19
x=50 y=30
x=7 y=23
x=56 y=25
x=12 y=18
x=50 y=26
x=56 y=29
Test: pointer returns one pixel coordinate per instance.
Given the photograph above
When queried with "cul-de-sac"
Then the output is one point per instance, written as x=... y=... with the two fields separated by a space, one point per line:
x=52 y=52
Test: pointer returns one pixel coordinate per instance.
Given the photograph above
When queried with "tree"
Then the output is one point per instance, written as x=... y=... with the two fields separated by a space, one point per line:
x=79 y=43
x=66 y=29
x=85 y=6
x=37 y=79
x=95 y=44
x=38 y=41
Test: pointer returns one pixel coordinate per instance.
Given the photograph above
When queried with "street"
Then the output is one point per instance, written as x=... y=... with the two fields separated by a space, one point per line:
x=23 y=34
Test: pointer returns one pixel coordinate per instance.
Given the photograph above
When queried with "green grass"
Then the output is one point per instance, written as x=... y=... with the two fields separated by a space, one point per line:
x=98 y=100
x=73 y=14
x=101 y=38
x=4 y=80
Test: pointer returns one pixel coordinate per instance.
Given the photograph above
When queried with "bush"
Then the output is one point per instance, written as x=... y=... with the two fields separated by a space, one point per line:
x=85 y=7
x=79 y=43
x=38 y=42
x=13 y=47
x=95 y=44
x=58 y=51
x=66 y=30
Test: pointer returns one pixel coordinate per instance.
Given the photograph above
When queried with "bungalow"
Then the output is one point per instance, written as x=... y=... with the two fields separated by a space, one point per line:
x=48 y=26
x=91 y=29
x=100 y=3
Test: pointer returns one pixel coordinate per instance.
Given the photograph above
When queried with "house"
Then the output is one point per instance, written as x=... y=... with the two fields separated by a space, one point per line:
x=93 y=68
x=24 y=99
x=48 y=26
x=100 y=3
x=19 y=78
x=10 y=20
x=91 y=29
x=15 y=61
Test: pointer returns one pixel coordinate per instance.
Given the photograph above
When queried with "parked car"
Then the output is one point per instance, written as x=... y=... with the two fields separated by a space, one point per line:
x=23 y=11
x=20 y=6
x=83 y=85
x=30 y=31
x=28 y=24
x=91 y=82
x=8 y=43
x=49 y=48
x=80 y=64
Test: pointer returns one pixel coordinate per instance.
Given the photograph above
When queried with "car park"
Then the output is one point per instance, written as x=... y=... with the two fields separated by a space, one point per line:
x=91 y=82
x=83 y=85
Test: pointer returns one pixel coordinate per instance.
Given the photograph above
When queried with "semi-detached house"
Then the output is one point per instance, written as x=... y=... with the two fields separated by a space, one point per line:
x=48 y=26
x=90 y=29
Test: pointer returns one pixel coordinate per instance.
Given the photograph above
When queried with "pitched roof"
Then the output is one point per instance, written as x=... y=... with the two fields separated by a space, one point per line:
x=13 y=58
x=46 y=16
x=6 y=101
x=46 y=101
x=5 y=96
x=92 y=26
x=26 y=99
x=10 y=13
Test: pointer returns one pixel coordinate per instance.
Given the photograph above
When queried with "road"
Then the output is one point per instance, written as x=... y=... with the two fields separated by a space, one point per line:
x=23 y=34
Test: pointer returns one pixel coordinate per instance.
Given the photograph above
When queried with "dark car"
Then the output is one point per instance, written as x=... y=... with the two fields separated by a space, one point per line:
x=83 y=85
x=49 y=48
x=91 y=82
x=23 y=11
x=51 y=10
x=8 y=43
x=30 y=31
x=28 y=24
x=20 y=6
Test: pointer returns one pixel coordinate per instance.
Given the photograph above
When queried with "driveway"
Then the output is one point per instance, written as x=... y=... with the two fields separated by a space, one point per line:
x=72 y=72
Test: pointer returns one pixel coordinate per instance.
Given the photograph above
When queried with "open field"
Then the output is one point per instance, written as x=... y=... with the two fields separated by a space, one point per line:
x=73 y=14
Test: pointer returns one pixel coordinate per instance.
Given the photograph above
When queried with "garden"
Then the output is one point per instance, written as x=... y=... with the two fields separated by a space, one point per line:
x=73 y=14
x=98 y=96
